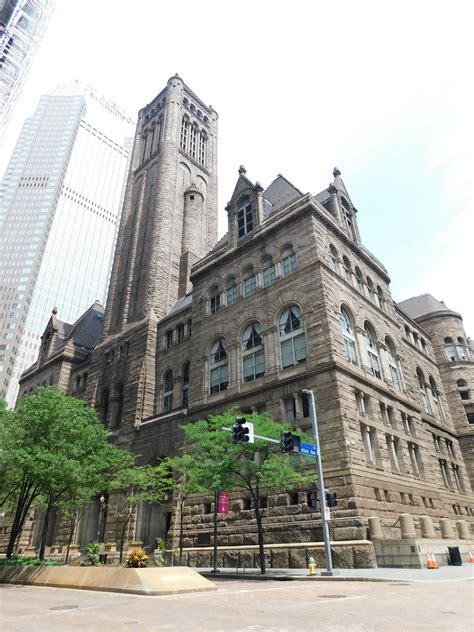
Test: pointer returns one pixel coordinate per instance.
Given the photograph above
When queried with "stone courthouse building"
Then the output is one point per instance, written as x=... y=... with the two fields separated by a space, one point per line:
x=289 y=299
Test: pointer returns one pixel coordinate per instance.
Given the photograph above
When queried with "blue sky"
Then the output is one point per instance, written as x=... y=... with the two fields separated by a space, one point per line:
x=382 y=90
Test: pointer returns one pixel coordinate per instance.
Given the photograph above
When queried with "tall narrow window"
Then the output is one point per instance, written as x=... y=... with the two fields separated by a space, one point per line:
x=347 y=269
x=334 y=259
x=218 y=367
x=184 y=133
x=359 y=280
x=202 y=147
x=423 y=392
x=443 y=466
x=253 y=354
x=450 y=349
x=371 y=290
x=415 y=459
x=380 y=298
x=393 y=364
x=168 y=392
x=288 y=259
x=244 y=218
x=368 y=444
x=457 y=477
x=393 y=452
x=269 y=271
x=193 y=141
x=349 y=337
x=436 y=399
x=116 y=407
x=231 y=291
x=185 y=385
x=372 y=351
x=250 y=282
x=292 y=338
x=290 y=408
x=215 y=300
x=462 y=350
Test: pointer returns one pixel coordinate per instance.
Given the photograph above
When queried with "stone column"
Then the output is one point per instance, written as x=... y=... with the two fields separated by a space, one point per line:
x=463 y=530
x=447 y=531
x=407 y=527
x=375 y=528
x=427 y=529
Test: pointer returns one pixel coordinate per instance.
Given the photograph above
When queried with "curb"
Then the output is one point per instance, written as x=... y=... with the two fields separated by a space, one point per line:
x=300 y=578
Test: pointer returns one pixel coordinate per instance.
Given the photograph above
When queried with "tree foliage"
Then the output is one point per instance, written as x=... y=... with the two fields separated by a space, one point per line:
x=55 y=449
x=212 y=462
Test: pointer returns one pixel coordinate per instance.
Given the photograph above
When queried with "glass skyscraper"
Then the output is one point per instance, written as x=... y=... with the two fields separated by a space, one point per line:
x=60 y=204
x=22 y=25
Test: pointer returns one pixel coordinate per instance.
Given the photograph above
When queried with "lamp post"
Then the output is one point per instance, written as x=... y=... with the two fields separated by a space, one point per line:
x=322 y=494
x=101 y=510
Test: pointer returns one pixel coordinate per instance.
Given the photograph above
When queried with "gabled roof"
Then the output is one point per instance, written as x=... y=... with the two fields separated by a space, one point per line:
x=85 y=332
x=280 y=193
x=181 y=303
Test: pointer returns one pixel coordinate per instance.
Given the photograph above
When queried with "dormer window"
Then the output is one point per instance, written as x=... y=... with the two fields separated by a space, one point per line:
x=244 y=217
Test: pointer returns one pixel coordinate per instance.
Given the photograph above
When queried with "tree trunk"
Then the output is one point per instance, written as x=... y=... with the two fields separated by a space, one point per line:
x=74 y=521
x=122 y=536
x=25 y=498
x=45 y=529
x=258 y=516
x=181 y=517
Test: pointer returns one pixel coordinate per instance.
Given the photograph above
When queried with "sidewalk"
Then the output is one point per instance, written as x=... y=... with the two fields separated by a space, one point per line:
x=443 y=574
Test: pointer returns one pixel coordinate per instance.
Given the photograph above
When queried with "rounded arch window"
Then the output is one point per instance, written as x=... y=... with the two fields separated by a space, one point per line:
x=359 y=279
x=214 y=299
x=372 y=350
x=463 y=350
x=350 y=344
x=393 y=364
x=269 y=271
x=461 y=383
x=292 y=337
x=218 y=367
x=334 y=258
x=231 y=291
x=347 y=269
x=250 y=282
x=436 y=396
x=380 y=297
x=253 y=353
x=423 y=391
x=450 y=349
x=370 y=289
x=288 y=259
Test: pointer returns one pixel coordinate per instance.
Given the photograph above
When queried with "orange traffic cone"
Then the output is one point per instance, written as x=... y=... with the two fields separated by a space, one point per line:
x=429 y=561
x=435 y=561
x=470 y=559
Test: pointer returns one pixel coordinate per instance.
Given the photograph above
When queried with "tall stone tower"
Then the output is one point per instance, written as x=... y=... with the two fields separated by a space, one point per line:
x=169 y=221
x=169 y=218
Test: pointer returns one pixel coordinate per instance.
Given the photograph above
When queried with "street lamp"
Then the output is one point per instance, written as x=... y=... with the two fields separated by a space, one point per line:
x=322 y=494
x=101 y=509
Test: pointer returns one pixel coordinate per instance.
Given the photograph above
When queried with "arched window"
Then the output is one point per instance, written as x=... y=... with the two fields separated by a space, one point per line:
x=463 y=389
x=231 y=291
x=193 y=141
x=218 y=367
x=168 y=392
x=380 y=297
x=370 y=290
x=462 y=349
x=185 y=385
x=423 y=392
x=184 y=133
x=250 y=282
x=360 y=280
x=393 y=364
x=116 y=407
x=436 y=399
x=334 y=259
x=372 y=351
x=214 y=300
x=347 y=269
x=253 y=354
x=450 y=349
x=349 y=337
x=269 y=271
x=288 y=259
x=292 y=339
x=244 y=217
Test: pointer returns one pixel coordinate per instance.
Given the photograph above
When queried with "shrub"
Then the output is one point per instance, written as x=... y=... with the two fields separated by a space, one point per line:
x=137 y=558
x=92 y=552
x=29 y=561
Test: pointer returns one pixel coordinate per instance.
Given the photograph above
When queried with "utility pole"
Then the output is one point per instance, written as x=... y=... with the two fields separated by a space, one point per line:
x=214 y=570
x=322 y=494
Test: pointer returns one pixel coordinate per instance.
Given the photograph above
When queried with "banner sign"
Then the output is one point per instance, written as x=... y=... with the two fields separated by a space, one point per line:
x=223 y=502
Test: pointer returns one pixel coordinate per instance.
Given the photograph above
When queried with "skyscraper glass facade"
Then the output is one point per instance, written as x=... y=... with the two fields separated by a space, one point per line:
x=22 y=25
x=60 y=203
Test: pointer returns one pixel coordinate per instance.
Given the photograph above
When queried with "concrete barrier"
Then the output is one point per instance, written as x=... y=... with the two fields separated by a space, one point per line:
x=138 y=581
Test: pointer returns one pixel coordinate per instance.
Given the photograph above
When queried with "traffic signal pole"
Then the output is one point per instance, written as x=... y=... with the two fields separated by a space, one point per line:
x=322 y=494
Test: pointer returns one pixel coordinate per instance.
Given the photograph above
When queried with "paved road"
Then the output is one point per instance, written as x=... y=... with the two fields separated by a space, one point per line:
x=245 y=606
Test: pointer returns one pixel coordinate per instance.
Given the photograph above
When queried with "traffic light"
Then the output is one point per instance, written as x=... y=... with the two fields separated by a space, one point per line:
x=240 y=432
x=289 y=443
x=312 y=499
x=331 y=499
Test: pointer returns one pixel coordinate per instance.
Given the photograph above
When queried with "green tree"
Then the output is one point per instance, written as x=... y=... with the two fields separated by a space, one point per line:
x=58 y=449
x=213 y=463
x=134 y=485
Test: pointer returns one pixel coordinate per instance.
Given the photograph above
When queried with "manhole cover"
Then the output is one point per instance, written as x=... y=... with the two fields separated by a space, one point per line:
x=332 y=596
x=63 y=607
x=400 y=584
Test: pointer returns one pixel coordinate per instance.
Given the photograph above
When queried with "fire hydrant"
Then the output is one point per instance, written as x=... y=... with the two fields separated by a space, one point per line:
x=312 y=566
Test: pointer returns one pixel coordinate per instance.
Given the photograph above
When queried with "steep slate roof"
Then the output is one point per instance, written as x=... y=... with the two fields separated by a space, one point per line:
x=85 y=332
x=280 y=193
x=181 y=303
x=418 y=306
